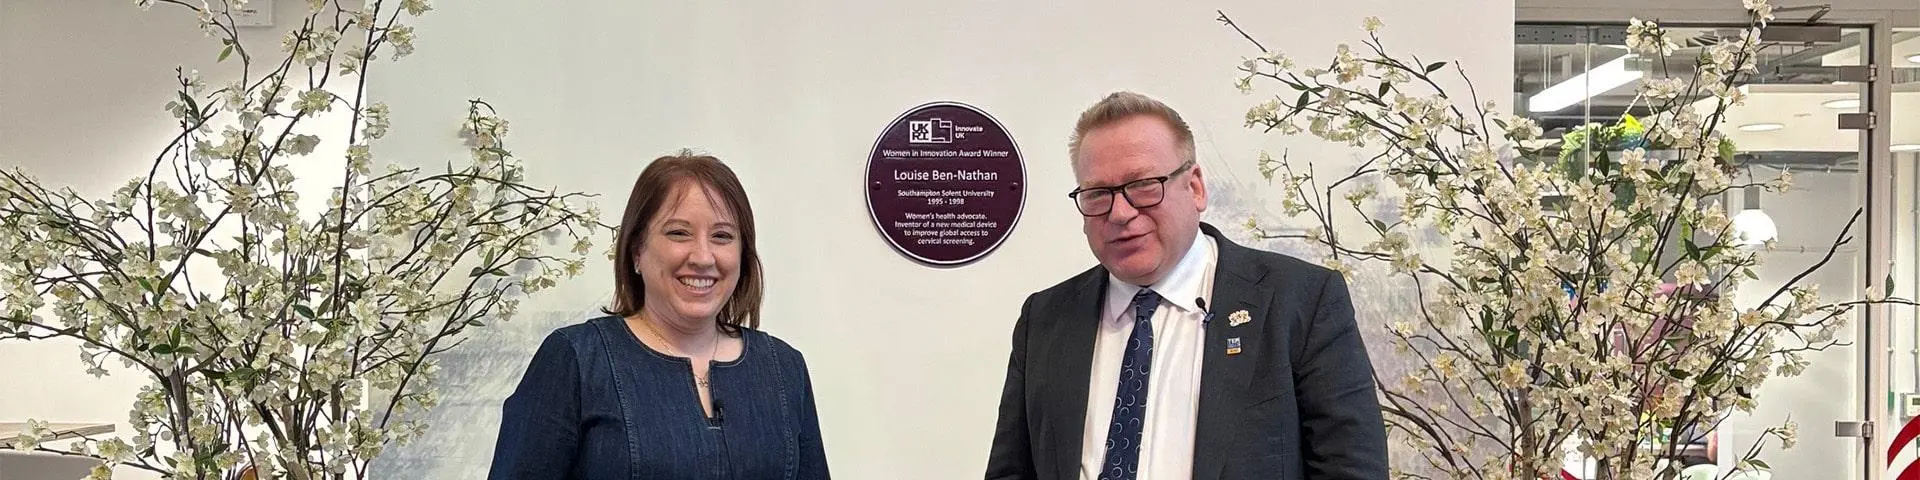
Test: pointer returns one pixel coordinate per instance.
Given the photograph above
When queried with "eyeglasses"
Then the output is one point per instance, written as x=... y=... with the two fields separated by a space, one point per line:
x=1142 y=193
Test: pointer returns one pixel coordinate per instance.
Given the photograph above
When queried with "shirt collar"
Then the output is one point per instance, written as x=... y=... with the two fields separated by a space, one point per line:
x=1180 y=288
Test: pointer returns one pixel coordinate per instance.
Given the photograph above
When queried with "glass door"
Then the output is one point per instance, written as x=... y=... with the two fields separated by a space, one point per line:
x=1791 y=121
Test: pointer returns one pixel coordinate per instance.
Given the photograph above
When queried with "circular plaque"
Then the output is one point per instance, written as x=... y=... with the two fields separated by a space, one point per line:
x=945 y=184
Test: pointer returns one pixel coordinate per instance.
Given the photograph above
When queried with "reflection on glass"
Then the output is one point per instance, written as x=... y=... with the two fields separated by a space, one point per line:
x=1579 y=82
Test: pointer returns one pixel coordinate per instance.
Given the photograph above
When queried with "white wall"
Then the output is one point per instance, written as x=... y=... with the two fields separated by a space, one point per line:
x=81 y=106
x=908 y=360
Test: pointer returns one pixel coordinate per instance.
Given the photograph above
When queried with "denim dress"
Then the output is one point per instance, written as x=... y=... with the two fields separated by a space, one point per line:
x=597 y=404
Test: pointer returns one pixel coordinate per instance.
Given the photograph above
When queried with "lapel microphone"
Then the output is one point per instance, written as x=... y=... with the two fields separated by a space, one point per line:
x=1206 y=316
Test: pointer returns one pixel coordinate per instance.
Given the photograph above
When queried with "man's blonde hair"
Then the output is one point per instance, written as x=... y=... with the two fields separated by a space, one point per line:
x=1121 y=106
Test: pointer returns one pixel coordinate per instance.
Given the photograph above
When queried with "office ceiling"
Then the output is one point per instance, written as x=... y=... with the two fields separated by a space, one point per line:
x=1796 y=87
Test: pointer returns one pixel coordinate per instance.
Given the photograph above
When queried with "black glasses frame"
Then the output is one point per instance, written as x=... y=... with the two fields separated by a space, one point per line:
x=1121 y=190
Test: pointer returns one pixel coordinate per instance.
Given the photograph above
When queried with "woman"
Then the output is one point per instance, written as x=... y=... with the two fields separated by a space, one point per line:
x=676 y=382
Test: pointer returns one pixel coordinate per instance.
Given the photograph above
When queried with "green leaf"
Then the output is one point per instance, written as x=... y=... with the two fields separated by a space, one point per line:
x=1435 y=66
x=475 y=272
x=1300 y=104
x=243 y=375
x=192 y=106
x=304 y=311
x=1889 y=287
x=162 y=349
x=184 y=350
x=1384 y=86
x=1500 y=337
x=1758 y=463
x=202 y=251
x=1712 y=251
x=1379 y=225
x=224 y=52
x=475 y=323
x=1709 y=379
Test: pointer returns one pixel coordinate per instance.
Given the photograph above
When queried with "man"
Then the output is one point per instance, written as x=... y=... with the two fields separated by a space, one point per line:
x=1181 y=355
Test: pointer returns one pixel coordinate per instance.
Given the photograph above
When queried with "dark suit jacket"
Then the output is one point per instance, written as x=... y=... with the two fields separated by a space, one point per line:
x=1297 y=403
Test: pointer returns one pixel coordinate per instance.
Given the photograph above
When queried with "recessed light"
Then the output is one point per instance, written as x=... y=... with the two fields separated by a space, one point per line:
x=1761 y=127
x=1907 y=147
x=1842 y=104
x=1842 y=82
x=1913 y=58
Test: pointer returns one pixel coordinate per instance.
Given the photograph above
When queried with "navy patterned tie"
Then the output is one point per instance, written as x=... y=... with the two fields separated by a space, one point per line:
x=1130 y=397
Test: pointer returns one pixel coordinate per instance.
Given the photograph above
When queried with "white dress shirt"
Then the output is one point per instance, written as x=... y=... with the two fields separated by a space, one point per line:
x=1173 y=389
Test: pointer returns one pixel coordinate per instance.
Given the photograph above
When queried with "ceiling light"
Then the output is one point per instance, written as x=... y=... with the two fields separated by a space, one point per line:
x=1913 y=59
x=1605 y=77
x=1752 y=226
x=1907 y=147
x=1842 y=82
x=1761 y=127
x=1842 y=104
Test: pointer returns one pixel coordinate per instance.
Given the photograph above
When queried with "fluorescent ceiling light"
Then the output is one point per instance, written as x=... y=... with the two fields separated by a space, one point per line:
x=1574 y=90
x=1907 y=147
x=1761 y=127
x=1842 y=104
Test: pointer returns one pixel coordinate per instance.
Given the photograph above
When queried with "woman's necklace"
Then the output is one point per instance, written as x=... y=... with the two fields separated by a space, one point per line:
x=698 y=379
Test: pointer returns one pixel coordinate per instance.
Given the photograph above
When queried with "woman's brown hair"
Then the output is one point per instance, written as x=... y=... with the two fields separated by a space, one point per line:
x=650 y=194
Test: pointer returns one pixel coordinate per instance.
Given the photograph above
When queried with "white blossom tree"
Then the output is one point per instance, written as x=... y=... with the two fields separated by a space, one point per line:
x=1579 y=302
x=276 y=342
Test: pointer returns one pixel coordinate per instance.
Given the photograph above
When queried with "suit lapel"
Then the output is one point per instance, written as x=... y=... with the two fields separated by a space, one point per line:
x=1069 y=368
x=1225 y=379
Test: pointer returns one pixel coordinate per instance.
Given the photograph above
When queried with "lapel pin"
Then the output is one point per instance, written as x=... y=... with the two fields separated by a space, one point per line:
x=1238 y=318
x=1233 y=346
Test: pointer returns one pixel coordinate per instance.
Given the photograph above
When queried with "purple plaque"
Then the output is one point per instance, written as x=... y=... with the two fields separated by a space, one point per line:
x=944 y=184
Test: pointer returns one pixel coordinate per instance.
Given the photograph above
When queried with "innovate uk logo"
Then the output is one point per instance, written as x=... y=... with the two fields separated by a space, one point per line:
x=932 y=130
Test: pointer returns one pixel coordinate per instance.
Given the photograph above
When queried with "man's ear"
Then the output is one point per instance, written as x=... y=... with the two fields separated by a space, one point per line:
x=1199 y=184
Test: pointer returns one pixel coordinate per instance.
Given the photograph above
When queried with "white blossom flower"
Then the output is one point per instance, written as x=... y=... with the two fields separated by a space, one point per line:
x=302 y=144
x=401 y=37
x=1759 y=8
x=1664 y=88
x=314 y=101
x=1647 y=38
x=415 y=7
